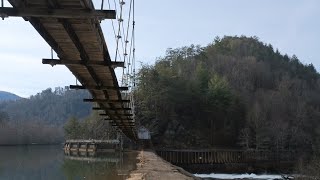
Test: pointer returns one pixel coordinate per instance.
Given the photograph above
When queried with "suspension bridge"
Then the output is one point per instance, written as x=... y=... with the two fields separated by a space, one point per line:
x=72 y=29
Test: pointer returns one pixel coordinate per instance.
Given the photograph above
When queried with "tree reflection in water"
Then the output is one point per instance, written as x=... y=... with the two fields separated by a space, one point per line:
x=50 y=163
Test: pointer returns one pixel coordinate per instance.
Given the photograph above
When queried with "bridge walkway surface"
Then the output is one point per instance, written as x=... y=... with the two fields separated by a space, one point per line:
x=72 y=28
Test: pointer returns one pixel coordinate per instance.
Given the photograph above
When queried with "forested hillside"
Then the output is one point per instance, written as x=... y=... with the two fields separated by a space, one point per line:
x=235 y=92
x=40 y=118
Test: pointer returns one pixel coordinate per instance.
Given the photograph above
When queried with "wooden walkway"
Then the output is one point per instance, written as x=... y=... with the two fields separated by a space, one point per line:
x=72 y=28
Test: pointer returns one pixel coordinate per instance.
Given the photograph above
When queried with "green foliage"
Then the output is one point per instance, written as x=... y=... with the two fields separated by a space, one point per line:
x=181 y=97
x=219 y=94
x=72 y=128
x=237 y=91
x=92 y=127
x=202 y=77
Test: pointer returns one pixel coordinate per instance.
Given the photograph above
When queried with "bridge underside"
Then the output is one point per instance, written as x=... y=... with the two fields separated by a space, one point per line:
x=72 y=28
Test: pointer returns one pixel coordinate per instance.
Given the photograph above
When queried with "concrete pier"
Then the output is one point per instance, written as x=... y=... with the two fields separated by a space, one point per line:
x=92 y=145
x=151 y=166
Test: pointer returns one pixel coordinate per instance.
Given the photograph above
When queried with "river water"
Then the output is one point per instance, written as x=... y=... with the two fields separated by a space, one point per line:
x=38 y=162
x=250 y=176
x=48 y=162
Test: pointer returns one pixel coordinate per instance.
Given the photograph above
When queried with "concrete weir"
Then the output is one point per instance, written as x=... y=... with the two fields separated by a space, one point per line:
x=151 y=166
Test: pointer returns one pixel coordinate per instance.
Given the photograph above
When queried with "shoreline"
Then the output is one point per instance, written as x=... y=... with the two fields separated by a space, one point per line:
x=151 y=166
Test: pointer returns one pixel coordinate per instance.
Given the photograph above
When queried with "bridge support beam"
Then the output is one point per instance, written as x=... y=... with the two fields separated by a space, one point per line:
x=99 y=87
x=106 y=100
x=117 y=114
x=58 y=13
x=108 y=119
x=54 y=62
x=111 y=109
x=130 y=126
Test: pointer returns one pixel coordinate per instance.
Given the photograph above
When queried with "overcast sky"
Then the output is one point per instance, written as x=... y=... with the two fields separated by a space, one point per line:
x=292 y=26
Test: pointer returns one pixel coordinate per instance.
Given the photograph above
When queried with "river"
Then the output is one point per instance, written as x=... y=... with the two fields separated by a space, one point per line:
x=250 y=176
x=38 y=162
x=48 y=162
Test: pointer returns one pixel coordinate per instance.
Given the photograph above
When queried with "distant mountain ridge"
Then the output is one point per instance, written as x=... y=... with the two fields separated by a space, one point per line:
x=52 y=107
x=41 y=117
x=6 y=96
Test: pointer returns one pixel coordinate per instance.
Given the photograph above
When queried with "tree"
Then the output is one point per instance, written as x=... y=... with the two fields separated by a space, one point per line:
x=73 y=129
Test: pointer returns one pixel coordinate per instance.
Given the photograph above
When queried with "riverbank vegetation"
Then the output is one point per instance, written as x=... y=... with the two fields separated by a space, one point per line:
x=91 y=127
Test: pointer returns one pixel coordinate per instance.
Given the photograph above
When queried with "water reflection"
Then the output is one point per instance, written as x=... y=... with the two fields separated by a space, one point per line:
x=98 y=166
x=49 y=162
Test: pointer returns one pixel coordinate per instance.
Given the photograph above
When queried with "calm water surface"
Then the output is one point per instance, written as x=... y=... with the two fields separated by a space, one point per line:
x=49 y=163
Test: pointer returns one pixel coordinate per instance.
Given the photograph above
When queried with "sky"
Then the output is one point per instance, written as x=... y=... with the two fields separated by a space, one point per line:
x=292 y=26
